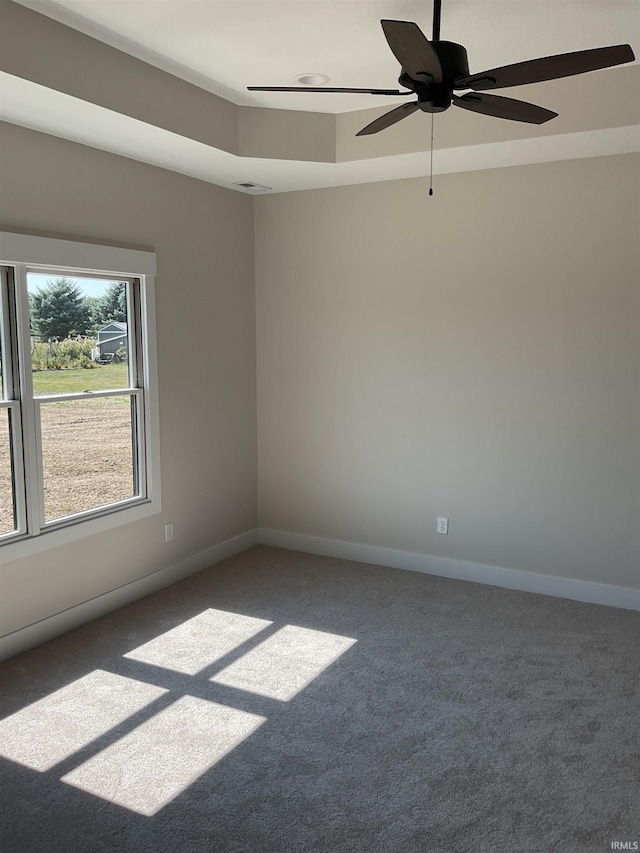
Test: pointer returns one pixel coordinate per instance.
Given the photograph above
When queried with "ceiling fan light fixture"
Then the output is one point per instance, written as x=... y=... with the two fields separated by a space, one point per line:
x=312 y=79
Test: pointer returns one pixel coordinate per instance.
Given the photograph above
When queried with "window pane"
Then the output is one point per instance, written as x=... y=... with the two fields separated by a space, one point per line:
x=87 y=454
x=7 y=503
x=80 y=331
x=1 y=378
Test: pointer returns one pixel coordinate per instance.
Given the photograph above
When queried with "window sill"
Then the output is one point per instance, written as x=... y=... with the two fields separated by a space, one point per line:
x=15 y=550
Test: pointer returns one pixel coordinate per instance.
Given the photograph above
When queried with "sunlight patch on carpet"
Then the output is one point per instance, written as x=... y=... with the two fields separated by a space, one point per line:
x=199 y=642
x=285 y=663
x=152 y=765
x=55 y=727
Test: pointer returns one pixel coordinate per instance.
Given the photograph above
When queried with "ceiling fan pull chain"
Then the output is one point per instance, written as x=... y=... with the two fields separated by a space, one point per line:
x=431 y=167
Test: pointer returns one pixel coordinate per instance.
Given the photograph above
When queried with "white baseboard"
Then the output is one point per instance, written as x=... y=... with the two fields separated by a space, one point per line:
x=53 y=626
x=577 y=590
x=59 y=623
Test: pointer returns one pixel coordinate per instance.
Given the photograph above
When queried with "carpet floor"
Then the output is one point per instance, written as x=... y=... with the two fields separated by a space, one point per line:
x=283 y=702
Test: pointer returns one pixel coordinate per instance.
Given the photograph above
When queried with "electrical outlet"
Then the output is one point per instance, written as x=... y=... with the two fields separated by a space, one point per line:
x=168 y=532
x=443 y=526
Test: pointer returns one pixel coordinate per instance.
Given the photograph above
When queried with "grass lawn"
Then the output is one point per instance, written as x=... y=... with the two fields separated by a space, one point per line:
x=80 y=379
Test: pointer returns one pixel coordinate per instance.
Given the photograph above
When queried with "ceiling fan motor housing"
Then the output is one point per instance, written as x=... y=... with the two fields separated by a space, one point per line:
x=436 y=97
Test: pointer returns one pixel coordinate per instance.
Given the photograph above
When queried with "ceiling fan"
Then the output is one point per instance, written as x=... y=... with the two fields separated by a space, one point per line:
x=434 y=70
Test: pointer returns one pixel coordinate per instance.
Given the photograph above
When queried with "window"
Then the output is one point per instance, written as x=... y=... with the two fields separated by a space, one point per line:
x=79 y=446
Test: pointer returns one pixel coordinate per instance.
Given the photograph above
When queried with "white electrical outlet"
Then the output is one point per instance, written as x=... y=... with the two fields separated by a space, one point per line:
x=443 y=526
x=168 y=532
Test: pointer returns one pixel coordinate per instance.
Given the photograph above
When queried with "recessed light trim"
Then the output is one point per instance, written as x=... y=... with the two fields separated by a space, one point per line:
x=312 y=78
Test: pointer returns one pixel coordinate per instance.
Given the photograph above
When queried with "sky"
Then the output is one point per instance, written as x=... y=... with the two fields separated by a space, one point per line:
x=89 y=286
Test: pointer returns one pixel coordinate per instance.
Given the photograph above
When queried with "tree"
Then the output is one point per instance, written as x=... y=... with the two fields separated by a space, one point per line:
x=110 y=307
x=58 y=310
x=113 y=304
x=93 y=304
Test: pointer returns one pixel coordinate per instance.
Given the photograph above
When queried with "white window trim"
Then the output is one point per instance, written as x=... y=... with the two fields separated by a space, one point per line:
x=98 y=260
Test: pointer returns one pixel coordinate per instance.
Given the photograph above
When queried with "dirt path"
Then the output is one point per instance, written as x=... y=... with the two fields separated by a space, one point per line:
x=87 y=457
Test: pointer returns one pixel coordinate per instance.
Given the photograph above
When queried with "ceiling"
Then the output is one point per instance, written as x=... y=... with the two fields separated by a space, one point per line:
x=227 y=45
x=223 y=46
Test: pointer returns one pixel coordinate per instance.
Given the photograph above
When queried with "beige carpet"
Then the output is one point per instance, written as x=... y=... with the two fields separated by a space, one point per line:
x=285 y=702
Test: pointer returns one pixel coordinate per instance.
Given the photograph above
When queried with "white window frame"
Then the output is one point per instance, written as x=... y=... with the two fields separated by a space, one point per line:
x=21 y=251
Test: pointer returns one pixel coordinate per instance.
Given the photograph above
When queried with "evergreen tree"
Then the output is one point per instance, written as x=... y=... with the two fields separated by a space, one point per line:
x=58 y=310
x=113 y=305
x=93 y=304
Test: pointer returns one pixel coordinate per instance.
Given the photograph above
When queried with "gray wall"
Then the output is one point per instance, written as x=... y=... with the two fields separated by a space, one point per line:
x=475 y=355
x=203 y=237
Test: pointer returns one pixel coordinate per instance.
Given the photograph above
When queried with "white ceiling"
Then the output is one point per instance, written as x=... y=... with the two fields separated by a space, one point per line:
x=226 y=45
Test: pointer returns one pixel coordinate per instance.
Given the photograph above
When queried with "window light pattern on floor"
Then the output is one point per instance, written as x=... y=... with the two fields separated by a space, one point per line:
x=199 y=642
x=285 y=663
x=48 y=731
x=151 y=765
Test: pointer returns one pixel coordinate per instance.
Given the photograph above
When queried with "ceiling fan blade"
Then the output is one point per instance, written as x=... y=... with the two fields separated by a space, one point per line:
x=493 y=105
x=412 y=49
x=548 y=68
x=326 y=89
x=389 y=118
